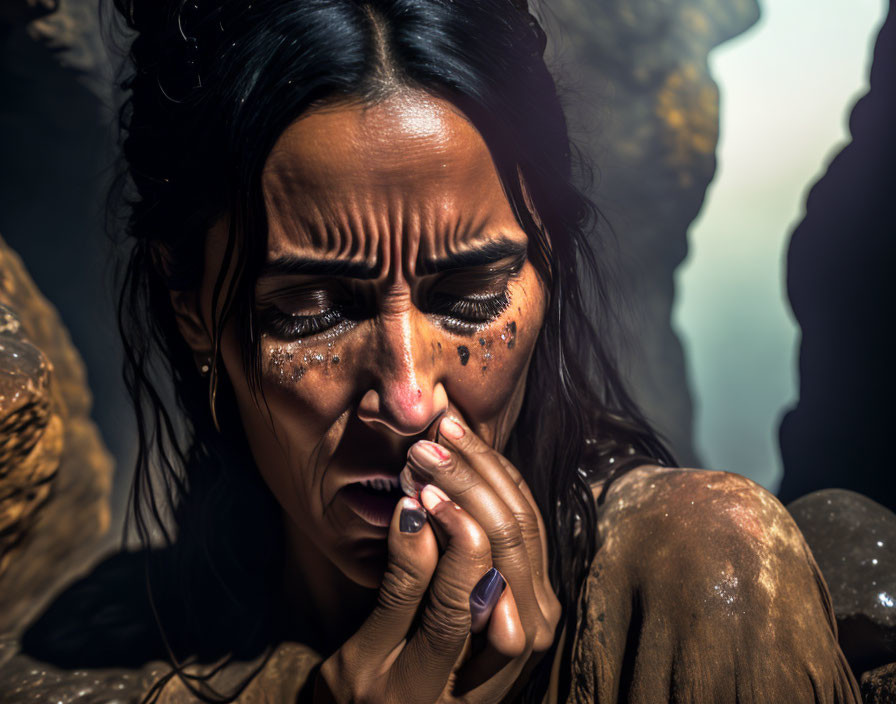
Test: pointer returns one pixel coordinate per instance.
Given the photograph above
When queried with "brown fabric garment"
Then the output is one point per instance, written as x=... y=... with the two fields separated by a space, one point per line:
x=703 y=590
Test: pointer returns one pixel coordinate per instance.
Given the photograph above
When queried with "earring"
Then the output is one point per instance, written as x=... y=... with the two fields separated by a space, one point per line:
x=206 y=366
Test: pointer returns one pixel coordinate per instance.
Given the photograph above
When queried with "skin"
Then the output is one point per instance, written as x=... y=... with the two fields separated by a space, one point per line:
x=397 y=189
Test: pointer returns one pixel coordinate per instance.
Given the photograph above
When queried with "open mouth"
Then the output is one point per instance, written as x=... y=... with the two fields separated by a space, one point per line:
x=374 y=499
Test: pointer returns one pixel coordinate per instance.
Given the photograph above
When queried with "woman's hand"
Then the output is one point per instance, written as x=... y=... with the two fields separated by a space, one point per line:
x=417 y=645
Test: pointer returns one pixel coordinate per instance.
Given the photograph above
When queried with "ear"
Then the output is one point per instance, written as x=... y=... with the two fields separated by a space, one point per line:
x=191 y=324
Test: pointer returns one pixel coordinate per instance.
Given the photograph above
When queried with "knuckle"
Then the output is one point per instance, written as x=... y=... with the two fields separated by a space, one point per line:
x=447 y=620
x=449 y=599
x=528 y=524
x=506 y=538
x=402 y=586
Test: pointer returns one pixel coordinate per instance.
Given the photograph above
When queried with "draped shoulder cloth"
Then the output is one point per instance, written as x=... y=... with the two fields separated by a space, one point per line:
x=704 y=591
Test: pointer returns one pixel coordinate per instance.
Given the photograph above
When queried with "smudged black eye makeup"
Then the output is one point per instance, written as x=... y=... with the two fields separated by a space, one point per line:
x=467 y=301
x=285 y=326
x=467 y=315
x=298 y=313
x=462 y=301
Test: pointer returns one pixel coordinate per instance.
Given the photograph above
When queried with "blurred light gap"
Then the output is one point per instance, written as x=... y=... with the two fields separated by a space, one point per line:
x=787 y=87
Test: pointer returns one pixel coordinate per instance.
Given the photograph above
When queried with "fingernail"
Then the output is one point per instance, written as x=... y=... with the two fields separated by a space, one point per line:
x=484 y=597
x=409 y=485
x=431 y=496
x=451 y=428
x=412 y=516
x=428 y=453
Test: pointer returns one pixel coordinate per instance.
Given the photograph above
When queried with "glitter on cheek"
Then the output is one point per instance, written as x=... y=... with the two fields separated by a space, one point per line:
x=508 y=335
x=485 y=346
x=464 y=354
x=288 y=363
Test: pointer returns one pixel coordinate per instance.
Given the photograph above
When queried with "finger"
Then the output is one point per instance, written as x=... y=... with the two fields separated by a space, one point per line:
x=536 y=539
x=509 y=484
x=505 y=479
x=446 y=468
x=499 y=663
x=413 y=556
x=425 y=665
x=505 y=630
x=484 y=597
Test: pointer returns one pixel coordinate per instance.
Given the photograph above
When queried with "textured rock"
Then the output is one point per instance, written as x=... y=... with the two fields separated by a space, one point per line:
x=55 y=475
x=644 y=108
x=30 y=434
x=854 y=542
x=879 y=686
x=26 y=681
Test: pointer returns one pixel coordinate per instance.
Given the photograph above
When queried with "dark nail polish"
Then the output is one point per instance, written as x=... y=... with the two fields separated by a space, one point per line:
x=411 y=520
x=484 y=597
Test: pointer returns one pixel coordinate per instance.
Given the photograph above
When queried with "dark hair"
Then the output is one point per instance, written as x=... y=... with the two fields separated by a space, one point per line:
x=212 y=86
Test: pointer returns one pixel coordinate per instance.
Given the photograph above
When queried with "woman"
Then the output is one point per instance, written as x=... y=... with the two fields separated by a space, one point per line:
x=396 y=439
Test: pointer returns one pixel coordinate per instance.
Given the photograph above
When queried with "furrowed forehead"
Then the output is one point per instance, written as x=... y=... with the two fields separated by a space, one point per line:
x=347 y=180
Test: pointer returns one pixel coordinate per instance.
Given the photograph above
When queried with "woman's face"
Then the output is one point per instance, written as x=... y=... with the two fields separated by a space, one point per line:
x=395 y=286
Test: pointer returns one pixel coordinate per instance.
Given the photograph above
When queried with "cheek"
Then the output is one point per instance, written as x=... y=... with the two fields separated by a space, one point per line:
x=489 y=370
x=294 y=425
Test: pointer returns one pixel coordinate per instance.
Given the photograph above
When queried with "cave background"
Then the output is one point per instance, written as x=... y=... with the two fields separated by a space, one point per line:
x=644 y=108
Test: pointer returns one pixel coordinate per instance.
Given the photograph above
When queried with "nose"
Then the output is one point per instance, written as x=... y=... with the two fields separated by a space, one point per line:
x=407 y=394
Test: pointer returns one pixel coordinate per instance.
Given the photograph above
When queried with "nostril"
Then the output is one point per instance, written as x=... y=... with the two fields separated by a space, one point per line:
x=404 y=411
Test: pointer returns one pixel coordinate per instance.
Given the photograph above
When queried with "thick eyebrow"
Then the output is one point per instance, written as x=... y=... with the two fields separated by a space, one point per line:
x=309 y=266
x=487 y=253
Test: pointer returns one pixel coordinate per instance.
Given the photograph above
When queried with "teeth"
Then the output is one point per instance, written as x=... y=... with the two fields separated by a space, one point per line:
x=381 y=484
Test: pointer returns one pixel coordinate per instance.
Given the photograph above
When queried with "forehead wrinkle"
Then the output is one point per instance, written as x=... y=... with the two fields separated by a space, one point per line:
x=407 y=175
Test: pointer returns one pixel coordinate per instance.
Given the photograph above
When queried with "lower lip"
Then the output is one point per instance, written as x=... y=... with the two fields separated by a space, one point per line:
x=375 y=507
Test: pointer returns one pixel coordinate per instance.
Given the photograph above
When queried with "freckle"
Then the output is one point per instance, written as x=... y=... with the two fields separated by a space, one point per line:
x=440 y=346
x=482 y=341
x=464 y=354
x=335 y=359
x=485 y=367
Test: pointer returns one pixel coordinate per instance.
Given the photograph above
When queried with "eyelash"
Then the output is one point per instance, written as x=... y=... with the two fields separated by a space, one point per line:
x=292 y=327
x=463 y=315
